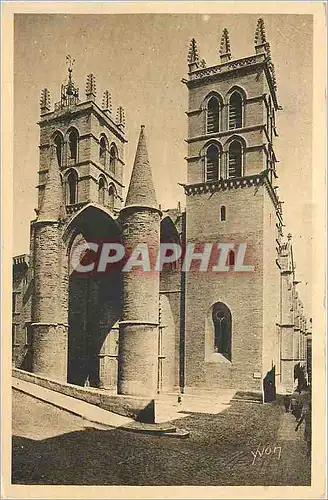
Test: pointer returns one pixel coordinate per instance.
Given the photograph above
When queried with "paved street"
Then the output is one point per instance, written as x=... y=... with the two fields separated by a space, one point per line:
x=246 y=444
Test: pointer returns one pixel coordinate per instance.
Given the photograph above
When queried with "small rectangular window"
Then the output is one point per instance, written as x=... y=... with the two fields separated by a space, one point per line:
x=14 y=308
x=223 y=213
x=14 y=333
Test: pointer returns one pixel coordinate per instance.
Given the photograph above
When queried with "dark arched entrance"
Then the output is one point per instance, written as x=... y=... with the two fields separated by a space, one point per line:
x=94 y=299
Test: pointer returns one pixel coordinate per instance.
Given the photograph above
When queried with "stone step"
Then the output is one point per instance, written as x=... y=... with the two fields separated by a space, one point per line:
x=223 y=396
x=156 y=429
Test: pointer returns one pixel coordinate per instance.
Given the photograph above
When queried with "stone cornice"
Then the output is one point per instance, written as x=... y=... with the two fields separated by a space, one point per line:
x=99 y=167
x=137 y=208
x=221 y=185
x=214 y=71
x=21 y=259
x=138 y=323
x=256 y=147
x=232 y=183
x=227 y=132
x=225 y=104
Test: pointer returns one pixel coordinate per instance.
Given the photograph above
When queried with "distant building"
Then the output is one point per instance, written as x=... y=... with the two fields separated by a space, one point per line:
x=161 y=332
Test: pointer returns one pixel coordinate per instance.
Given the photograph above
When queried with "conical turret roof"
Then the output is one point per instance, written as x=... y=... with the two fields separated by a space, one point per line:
x=141 y=189
x=52 y=202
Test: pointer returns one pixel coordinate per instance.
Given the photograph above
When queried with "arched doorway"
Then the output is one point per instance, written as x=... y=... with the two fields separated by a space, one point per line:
x=222 y=326
x=94 y=303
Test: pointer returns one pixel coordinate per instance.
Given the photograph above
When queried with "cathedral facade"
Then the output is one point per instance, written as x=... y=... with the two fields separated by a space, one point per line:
x=171 y=330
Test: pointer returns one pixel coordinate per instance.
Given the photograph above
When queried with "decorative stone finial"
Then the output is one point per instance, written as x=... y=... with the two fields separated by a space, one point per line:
x=45 y=101
x=193 y=57
x=90 y=88
x=120 y=117
x=69 y=91
x=107 y=102
x=289 y=236
x=263 y=47
x=225 y=50
x=202 y=63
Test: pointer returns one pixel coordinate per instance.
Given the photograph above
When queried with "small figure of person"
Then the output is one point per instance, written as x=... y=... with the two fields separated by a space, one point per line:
x=306 y=418
x=293 y=405
x=286 y=403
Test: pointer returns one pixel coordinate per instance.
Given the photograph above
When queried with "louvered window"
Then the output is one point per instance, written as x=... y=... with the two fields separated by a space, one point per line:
x=102 y=151
x=235 y=111
x=59 y=149
x=72 y=188
x=101 y=191
x=212 y=163
x=213 y=115
x=235 y=159
x=111 y=196
x=73 y=140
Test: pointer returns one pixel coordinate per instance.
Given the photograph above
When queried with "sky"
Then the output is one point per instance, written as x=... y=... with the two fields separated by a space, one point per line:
x=141 y=59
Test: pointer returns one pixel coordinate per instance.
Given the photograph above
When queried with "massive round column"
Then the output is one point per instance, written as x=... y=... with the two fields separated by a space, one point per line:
x=138 y=328
x=49 y=304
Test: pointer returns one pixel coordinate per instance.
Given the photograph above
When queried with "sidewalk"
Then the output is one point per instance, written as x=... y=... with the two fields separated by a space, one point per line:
x=75 y=406
x=286 y=431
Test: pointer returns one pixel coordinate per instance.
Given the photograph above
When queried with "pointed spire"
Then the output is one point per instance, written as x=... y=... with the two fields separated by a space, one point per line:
x=107 y=102
x=193 y=57
x=225 y=51
x=52 y=202
x=90 y=88
x=45 y=101
x=141 y=189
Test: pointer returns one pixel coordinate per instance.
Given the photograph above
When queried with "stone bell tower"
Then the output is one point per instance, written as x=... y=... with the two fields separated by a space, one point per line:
x=231 y=332
x=89 y=142
x=81 y=162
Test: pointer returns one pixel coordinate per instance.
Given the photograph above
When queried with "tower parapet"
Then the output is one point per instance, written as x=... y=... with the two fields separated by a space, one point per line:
x=261 y=60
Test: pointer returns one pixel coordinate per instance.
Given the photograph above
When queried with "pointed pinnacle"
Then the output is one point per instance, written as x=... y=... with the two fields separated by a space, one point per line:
x=260 y=37
x=225 y=43
x=193 y=56
x=225 y=50
x=141 y=189
x=52 y=202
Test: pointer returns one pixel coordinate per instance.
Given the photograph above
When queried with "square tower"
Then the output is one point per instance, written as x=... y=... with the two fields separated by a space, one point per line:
x=89 y=144
x=231 y=336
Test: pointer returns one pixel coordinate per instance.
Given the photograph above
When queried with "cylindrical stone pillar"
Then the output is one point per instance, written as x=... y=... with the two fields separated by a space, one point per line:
x=49 y=328
x=138 y=328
